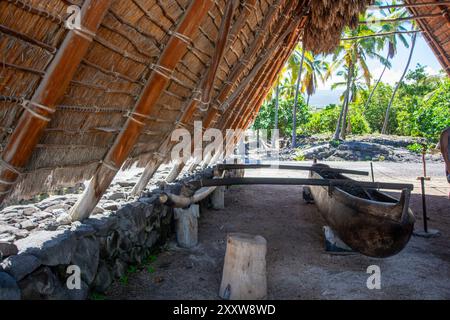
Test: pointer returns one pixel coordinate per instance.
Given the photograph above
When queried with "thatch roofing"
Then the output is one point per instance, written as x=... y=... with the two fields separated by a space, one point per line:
x=112 y=75
x=436 y=29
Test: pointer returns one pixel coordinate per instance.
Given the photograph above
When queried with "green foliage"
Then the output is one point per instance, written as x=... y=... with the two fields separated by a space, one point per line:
x=415 y=147
x=358 y=122
x=266 y=116
x=374 y=112
x=323 y=121
x=300 y=157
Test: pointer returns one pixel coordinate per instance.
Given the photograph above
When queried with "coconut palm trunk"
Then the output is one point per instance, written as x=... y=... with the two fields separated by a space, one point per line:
x=340 y=126
x=297 y=93
x=378 y=83
x=388 y=110
x=347 y=102
x=277 y=105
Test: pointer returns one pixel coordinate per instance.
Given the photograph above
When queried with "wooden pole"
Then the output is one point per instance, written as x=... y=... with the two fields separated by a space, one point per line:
x=174 y=51
x=225 y=35
x=42 y=105
x=252 y=95
x=417 y=17
x=235 y=74
x=410 y=5
x=385 y=34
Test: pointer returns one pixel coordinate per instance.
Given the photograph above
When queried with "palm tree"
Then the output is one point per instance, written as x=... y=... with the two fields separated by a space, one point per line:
x=315 y=67
x=297 y=93
x=352 y=55
x=395 y=29
x=388 y=109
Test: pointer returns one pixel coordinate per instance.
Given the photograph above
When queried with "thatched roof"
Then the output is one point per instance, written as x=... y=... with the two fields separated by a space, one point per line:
x=111 y=76
x=436 y=29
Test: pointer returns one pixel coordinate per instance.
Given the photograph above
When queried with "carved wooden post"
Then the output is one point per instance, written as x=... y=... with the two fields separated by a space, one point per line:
x=187 y=226
x=42 y=105
x=218 y=198
x=244 y=271
x=125 y=141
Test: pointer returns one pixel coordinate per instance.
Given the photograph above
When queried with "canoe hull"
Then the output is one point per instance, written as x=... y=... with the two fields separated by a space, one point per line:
x=372 y=228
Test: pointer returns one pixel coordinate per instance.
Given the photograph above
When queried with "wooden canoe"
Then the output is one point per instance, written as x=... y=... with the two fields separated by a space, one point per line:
x=368 y=221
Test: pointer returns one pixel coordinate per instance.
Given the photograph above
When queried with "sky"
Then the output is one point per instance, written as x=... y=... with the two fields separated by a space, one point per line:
x=422 y=54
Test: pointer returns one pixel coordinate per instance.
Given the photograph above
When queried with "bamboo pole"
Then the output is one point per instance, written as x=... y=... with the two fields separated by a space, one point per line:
x=175 y=49
x=42 y=105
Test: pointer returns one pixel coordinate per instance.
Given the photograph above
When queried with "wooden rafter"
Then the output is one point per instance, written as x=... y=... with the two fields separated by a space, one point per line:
x=238 y=111
x=238 y=70
x=226 y=38
x=39 y=109
x=410 y=5
x=174 y=51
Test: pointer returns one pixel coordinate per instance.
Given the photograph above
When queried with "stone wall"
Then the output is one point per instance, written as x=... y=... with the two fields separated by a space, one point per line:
x=103 y=246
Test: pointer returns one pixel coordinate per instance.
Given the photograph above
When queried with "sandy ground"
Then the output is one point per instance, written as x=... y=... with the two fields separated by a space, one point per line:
x=298 y=266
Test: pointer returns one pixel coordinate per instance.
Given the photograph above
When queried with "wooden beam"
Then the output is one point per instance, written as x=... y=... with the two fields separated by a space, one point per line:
x=385 y=34
x=252 y=92
x=417 y=17
x=241 y=66
x=409 y=5
x=225 y=34
x=39 y=109
x=273 y=43
x=174 y=51
x=238 y=70
x=299 y=181
x=223 y=167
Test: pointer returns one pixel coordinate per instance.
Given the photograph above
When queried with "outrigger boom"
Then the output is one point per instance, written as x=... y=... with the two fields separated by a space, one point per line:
x=223 y=167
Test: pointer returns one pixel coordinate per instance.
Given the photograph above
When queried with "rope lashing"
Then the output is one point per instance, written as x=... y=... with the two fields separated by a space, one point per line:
x=84 y=32
x=26 y=104
x=9 y=167
x=109 y=166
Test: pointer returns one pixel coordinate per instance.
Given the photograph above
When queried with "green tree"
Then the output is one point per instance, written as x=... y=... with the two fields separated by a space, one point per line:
x=351 y=55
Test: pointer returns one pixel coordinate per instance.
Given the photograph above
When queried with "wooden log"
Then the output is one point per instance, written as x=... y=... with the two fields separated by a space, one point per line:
x=175 y=171
x=186 y=226
x=42 y=105
x=147 y=175
x=174 y=51
x=244 y=271
x=218 y=198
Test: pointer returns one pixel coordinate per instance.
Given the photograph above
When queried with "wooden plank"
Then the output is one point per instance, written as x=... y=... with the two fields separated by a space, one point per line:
x=42 y=105
x=222 y=167
x=299 y=182
x=174 y=51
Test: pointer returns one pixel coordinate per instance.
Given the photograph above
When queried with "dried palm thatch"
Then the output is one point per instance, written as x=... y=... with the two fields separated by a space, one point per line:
x=327 y=19
x=112 y=75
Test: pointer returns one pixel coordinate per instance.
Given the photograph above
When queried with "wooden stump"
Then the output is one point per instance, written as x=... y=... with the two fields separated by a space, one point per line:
x=218 y=198
x=244 y=272
x=186 y=226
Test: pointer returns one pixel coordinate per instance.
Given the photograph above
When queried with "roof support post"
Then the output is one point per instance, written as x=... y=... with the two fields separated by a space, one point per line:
x=174 y=51
x=226 y=37
x=42 y=105
x=240 y=120
x=265 y=71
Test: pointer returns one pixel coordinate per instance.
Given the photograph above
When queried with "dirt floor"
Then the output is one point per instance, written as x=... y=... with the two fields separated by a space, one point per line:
x=298 y=266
